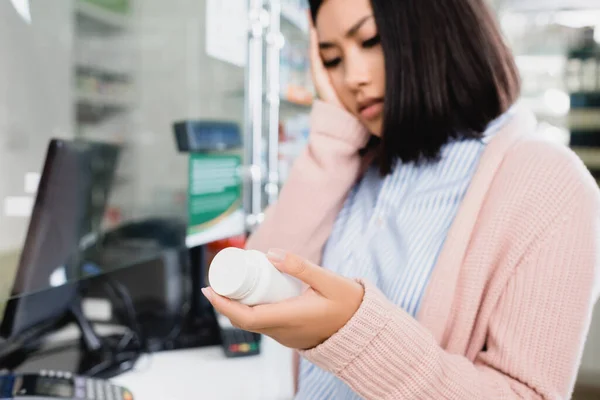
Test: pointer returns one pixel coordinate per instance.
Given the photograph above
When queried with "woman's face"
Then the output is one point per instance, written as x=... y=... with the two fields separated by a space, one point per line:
x=351 y=52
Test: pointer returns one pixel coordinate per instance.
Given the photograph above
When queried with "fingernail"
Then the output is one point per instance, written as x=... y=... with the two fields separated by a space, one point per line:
x=207 y=293
x=276 y=255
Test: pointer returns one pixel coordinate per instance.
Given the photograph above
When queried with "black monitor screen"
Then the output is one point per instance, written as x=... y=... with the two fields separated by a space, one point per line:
x=67 y=215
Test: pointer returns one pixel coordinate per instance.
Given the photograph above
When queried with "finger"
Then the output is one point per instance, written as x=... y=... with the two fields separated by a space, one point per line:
x=258 y=318
x=320 y=279
x=325 y=90
x=239 y=314
x=315 y=55
x=278 y=315
x=291 y=313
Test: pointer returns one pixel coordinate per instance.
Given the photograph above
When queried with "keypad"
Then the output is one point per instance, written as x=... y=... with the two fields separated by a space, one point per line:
x=239 y=343
x=6 y=385
x=117 y=392
x=88 y=388
x=100 y=390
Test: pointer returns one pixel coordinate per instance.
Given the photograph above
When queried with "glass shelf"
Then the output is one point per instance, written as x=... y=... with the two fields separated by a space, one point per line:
x=98 y=19
x=295 y=16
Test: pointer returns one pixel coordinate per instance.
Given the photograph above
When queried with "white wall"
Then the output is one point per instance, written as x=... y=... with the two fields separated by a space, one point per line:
x=35 y=97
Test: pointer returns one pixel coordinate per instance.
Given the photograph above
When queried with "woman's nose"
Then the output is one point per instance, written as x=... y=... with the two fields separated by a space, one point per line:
x=357 y=74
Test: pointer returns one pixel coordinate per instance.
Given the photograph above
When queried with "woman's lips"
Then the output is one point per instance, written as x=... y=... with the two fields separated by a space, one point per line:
x=372 y=111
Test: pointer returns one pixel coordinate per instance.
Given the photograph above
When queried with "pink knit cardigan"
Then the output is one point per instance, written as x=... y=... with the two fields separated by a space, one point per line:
x=508 y=307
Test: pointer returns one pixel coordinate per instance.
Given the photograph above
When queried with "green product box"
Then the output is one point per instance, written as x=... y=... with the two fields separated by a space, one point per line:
x=118 y=6
x=215 y=209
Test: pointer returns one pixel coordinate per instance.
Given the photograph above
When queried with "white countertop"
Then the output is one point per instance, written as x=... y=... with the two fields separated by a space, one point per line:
x=206 y=374
x=203 y=373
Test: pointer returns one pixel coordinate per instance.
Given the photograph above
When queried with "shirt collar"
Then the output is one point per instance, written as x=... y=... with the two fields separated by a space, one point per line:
x=497 y=124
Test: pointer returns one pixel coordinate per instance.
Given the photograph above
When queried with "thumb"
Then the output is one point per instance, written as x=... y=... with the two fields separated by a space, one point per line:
x=318 y=278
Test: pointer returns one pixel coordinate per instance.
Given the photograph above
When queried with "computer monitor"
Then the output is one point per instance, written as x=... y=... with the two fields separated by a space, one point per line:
x=69 y=207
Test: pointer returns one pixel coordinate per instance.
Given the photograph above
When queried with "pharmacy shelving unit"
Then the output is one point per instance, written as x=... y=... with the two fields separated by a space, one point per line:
x=558 y=56
x=296 y=90
x=103 y=83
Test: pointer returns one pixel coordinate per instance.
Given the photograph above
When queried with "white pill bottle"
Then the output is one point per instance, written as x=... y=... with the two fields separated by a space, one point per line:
x=248 y=277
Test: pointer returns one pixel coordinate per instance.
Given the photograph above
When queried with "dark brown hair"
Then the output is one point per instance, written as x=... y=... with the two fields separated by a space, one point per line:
x=448 y=72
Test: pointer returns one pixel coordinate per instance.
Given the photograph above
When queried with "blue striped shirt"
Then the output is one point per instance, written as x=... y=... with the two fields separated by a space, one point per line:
x=391 y=231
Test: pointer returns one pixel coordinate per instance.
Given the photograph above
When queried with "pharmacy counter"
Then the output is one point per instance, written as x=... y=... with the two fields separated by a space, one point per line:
x=206 y=374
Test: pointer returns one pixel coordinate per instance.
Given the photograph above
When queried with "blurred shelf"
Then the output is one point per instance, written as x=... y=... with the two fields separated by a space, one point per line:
x=586 y=100
x=585 y=139
x=93 y=108
x=84 y=67
x=121 y=180
x=548 y=6
x=96 y=18
x=297 y=95
x=103 y=100
x=589 y=155
x=295 y=16
x=584 y=119
x=285 y=102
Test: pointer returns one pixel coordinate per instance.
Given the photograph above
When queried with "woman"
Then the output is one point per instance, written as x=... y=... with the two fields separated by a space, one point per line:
x=459 y=248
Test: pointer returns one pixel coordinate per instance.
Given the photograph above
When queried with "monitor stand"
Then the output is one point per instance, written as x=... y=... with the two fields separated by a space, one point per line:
x=101 y=357
x=94 y=356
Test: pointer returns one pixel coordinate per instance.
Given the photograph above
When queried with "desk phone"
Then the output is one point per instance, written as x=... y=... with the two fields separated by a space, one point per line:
x=56 y=385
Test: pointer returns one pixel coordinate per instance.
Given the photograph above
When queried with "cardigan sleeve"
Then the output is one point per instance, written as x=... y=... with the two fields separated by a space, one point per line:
x=535 y=335
x=319 y=182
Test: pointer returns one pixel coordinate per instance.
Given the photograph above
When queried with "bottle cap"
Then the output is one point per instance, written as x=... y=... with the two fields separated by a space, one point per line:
x=233 y=273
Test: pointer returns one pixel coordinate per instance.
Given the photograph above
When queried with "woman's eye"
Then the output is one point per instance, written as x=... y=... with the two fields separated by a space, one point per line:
x=374 y=41
x=332 y=63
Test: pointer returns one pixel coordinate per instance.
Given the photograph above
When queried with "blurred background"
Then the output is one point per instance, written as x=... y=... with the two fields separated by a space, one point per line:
x=123 y=71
